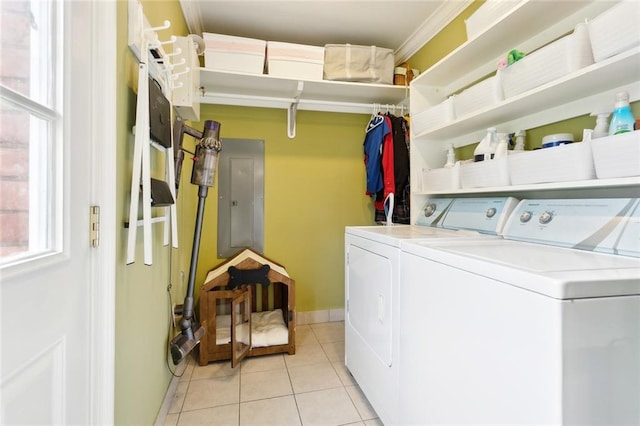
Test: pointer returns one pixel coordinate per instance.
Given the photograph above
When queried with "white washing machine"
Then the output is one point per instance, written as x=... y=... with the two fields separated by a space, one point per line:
x=542 y=327
x=372 y=280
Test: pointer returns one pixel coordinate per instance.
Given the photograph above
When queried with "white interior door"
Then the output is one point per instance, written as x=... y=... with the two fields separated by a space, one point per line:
x=55 y=341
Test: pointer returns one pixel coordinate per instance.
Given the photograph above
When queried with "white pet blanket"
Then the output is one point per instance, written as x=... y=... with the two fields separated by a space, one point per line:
x=267 y=329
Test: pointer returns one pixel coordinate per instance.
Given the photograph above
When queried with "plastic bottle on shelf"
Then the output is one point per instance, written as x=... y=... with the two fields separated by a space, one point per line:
x=602 y=125
x=451 y=156
x=519 y=141
x=622 y=120
x=502 y=145
x=487 y=146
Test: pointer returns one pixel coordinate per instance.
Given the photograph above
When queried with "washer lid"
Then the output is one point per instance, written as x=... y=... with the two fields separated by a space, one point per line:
x=557 y=272
x=392 y=235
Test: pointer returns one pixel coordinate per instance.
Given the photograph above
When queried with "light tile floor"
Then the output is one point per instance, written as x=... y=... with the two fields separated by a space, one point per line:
x=312 y=387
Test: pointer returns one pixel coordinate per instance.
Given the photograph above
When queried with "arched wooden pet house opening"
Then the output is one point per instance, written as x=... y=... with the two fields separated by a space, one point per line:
x=247 y=305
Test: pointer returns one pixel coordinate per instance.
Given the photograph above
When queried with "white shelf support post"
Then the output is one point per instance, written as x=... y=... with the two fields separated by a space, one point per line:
x=140 y=160
x=293 y=111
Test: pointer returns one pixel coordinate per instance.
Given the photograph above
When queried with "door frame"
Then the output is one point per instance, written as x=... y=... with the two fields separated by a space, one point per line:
x=104 y=31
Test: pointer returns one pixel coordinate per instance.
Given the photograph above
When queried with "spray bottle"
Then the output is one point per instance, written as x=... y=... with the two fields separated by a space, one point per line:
x=451 y=156
x=519 y=141
x=486 y=147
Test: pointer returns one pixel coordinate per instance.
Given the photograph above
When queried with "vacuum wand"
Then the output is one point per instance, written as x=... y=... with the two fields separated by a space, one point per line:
x=204 y=167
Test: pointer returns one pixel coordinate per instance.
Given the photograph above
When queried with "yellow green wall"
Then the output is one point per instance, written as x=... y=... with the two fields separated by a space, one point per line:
x=314 y=187
x=142 y=307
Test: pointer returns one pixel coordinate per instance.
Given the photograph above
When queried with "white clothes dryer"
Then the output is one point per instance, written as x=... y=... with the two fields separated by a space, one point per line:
x=372 y=280
x=542 y=327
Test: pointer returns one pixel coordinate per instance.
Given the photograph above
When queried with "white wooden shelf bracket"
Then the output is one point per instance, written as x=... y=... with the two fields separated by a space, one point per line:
x=292 y=112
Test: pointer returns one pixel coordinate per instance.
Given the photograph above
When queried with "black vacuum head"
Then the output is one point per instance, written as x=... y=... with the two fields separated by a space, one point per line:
x=181 y=345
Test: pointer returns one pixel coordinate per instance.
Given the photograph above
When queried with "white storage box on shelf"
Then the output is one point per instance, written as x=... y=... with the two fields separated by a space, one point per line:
x=615 y=30
x=563 y=56
x=563 y=163
x=488 y=173
x=443 y=179
x=297 y=61
x=433 y=117
x=617 y=156
x=366 y=64
x=234 y=54
x=487 y=15
x=481 y=95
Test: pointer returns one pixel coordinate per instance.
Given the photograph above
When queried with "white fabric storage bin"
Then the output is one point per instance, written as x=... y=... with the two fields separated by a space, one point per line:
x=563 y=163
x=235 y=54
x=298 y=61
x=617 y=156
x=350 y=62
x=433 y=117
x=615 y=30
x=484 y=174
x=481 y=95
x=487 y=15
x=444 y=179
x=563 y=56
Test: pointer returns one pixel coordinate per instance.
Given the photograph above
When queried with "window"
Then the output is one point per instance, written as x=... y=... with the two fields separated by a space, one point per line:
x=30 y=129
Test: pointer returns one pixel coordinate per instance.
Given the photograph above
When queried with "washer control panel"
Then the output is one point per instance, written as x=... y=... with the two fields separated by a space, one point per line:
x=606 y=225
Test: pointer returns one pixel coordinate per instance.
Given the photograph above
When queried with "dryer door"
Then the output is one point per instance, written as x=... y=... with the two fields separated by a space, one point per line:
x=371 y=273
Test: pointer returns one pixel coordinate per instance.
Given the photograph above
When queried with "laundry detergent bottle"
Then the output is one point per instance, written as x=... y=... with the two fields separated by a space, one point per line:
x=622 y=120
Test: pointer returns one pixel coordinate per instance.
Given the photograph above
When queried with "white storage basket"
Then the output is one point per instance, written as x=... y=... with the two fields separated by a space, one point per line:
x=563 y=163
x=486 y=173
x=563 y=56
x=444 y=179
x=615 y=30
x=433 y=117
x=617 y=156
x=481 y=95
x=234 y=54
x=297 y=61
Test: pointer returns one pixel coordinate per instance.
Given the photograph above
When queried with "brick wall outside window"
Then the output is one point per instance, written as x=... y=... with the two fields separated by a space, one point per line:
x=15 y=21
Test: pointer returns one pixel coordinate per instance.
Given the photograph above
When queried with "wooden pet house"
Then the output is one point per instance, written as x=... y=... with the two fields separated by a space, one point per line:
x=247 y=305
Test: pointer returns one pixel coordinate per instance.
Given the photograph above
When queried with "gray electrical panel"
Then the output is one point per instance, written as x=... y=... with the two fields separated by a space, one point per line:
x=240 y=196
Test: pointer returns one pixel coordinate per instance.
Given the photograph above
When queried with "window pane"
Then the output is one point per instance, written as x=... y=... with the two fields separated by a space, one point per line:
x=26 y=48
x=25 y=184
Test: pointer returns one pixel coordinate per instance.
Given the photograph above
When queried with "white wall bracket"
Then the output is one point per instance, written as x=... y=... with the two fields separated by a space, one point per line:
x=292 y=112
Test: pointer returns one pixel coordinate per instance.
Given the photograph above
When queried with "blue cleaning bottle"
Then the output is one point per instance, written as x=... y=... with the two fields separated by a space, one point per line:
x=622 y=120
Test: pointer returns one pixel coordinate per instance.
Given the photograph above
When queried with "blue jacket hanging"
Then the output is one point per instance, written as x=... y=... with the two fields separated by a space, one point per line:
x=373 y=141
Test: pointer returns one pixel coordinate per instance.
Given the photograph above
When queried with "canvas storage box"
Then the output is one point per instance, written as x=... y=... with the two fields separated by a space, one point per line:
x=615 y=30
x=433 y=117
x=298 y=61
x=235 y=54
x=484 y=174
x=553 y=61
x=481 y=95
x=617 y=156
x=350 y=62
x=563 y=163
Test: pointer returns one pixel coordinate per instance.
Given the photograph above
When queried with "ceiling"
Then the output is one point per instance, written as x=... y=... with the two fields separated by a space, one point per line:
x=401 y=25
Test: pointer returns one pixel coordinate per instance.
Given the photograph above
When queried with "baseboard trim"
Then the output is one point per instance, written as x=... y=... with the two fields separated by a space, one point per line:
x=313 y=317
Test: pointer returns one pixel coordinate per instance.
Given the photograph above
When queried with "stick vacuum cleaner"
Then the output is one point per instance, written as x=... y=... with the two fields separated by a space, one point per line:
x=204 y=168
